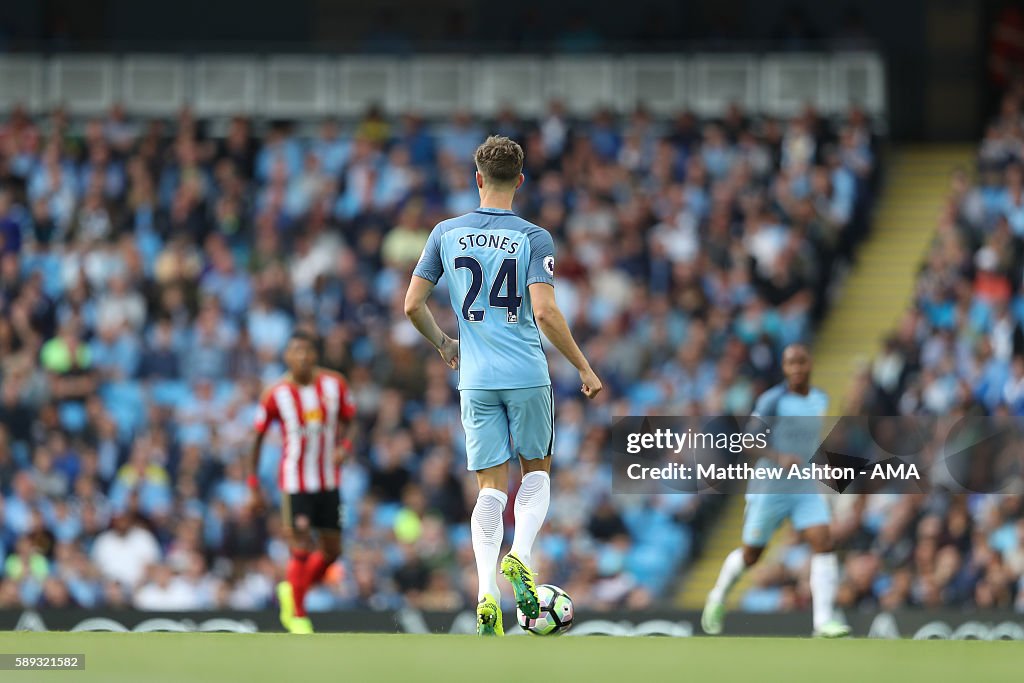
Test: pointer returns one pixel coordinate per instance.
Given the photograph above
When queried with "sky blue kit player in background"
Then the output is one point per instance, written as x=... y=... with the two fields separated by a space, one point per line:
x=500 y=275
x=792 y=441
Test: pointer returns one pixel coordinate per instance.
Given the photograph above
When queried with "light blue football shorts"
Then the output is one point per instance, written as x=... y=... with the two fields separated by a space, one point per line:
x=765 y=513
x=502 y=423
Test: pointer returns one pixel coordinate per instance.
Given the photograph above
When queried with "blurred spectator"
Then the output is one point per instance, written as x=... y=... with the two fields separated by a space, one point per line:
x=123 y=552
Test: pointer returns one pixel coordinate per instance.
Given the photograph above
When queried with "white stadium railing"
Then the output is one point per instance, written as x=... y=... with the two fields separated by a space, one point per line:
x=153 y=85
x=227 y=85
x=516 y=82
x=788 y=83
x=298 y=86
x=363 y=81
x=440 y=85
x=86 y=84
x=659 y=82
x=314 y=86
x=721 y=80
x=858 y=78
x=583 y=84
x=21 y=82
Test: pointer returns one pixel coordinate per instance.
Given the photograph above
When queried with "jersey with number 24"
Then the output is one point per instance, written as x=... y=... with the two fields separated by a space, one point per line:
x=490 y=257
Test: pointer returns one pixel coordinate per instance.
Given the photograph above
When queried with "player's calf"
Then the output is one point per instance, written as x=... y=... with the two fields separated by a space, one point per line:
x=286 y=604
x=712 y=619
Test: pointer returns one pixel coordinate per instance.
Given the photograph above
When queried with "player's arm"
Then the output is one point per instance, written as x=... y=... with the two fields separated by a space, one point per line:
x=419 y=314
x=346 y=449
x=252 y=467
x=426 y=274
x=552 y=323
x=343 y=448
x=785 y=460
x=757 y=425
x=265 y=415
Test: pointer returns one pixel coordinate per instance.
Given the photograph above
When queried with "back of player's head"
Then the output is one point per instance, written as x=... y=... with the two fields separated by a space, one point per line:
x=499 y=160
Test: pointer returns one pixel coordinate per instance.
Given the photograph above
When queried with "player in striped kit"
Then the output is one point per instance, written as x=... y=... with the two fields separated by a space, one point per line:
x=315 y=411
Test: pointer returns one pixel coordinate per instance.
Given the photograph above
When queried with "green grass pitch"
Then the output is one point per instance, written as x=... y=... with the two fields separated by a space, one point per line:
x=280 y=658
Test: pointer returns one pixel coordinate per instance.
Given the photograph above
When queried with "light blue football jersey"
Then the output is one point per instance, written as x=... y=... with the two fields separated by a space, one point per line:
x=796 y=437
x=490 y=257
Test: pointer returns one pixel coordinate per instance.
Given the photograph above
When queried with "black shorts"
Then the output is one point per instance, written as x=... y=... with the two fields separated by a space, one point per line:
x=320 y=510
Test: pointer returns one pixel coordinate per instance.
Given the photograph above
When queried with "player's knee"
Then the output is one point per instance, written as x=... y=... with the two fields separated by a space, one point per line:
x=822 y=545
x=536 y=464
x=751 y=555
x=331 y=549
x=298 y=536
x=819 y=539
x=493 y=477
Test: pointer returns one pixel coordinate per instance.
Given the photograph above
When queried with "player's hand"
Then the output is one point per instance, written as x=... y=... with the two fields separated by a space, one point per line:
x=787 y=460
x=341 y=454
x=449 y=351
x=257 y=503
x=591 y=384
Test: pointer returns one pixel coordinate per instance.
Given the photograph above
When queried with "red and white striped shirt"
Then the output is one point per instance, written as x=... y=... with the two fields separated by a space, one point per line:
x=310 y=416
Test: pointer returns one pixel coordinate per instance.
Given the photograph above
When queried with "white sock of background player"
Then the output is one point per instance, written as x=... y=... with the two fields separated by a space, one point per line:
x=488 y=531
x=824 y=584
x=531 y=508
x=732 y=570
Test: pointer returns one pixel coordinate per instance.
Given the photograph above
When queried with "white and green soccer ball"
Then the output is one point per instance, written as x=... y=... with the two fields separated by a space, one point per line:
x=556 y=612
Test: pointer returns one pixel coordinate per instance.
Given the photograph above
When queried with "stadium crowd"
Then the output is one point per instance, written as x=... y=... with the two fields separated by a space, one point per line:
x=958 y=351
x=150 y=272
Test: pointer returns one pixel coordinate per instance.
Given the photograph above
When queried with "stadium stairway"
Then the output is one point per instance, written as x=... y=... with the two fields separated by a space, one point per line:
x=873 y=297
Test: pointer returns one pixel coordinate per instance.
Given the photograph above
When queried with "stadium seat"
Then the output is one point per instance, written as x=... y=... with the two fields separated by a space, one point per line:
x=224 y=391
x=126 y=403
x=385 y=515
x=49 y=266
x=72 y=416
x=169 y=392
x=193 y=434
x=761 y=600
x=648 y=566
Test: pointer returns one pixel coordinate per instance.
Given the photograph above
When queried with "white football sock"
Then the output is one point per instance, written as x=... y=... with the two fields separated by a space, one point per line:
x=531 y=508
x=824 y=584
x=487 y=532
x=732 y=570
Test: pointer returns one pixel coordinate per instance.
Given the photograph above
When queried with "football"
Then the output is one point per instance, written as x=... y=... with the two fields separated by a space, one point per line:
x=556 y=612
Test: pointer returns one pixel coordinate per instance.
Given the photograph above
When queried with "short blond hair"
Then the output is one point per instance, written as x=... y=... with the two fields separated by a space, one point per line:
x=499 y=160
